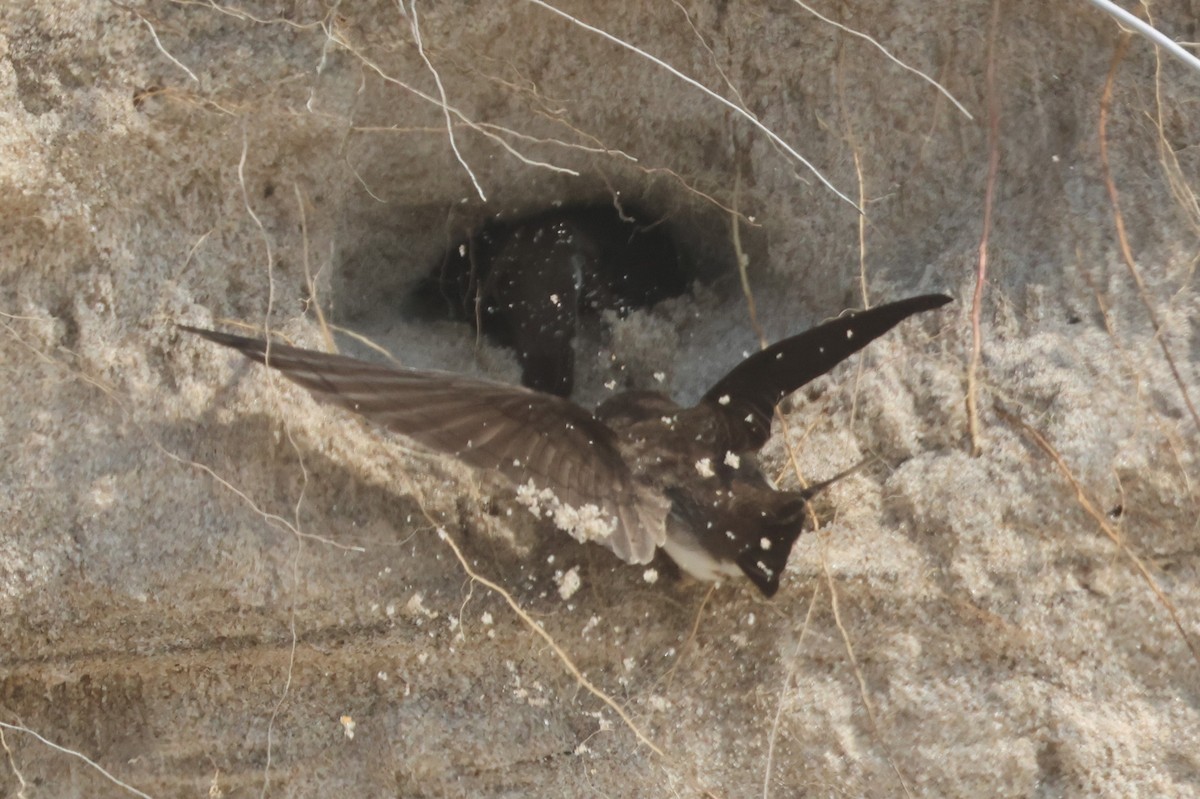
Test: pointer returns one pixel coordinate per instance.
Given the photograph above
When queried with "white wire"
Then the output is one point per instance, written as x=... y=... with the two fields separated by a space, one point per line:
x=1149 y=31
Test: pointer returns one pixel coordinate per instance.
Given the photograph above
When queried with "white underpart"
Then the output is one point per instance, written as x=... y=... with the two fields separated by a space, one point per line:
x=693 y=559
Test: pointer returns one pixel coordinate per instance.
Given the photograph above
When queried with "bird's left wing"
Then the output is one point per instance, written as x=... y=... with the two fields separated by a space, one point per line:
x=525 y=435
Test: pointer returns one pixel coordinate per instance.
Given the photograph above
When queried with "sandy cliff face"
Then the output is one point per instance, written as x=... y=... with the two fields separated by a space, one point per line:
x=202 y=571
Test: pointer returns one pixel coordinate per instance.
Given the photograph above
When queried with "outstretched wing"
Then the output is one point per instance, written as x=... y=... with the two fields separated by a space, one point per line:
x=747 y=396
x=525 y=435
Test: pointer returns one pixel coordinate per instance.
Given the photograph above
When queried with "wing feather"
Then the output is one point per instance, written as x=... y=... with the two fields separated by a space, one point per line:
x=746 y=397
x=520 y=433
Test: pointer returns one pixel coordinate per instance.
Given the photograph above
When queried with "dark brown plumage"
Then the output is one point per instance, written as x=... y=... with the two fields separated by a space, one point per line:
x=637 y=474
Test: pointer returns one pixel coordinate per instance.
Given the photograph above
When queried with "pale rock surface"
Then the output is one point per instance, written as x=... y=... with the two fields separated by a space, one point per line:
x=202 y=571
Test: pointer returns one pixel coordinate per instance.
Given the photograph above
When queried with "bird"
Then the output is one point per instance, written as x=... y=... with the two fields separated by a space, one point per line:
x=526 y=281
x=639 y=473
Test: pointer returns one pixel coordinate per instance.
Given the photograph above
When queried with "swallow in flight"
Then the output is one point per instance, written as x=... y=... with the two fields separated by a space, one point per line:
x=637 y=474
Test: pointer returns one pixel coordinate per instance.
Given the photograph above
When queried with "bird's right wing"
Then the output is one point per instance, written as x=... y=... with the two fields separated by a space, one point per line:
x=746 y=397
x=528 y=436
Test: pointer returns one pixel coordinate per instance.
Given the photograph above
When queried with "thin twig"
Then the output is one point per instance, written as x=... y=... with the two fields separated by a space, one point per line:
x=743 y=263
x=437 y=79
x=158 y=43
x=1167 y=155
x=12 y=764
x=291 y=667
x=753 y=120
x=1100 y=518
x=862 y=274
x=858 y=675
x=773 y=735
x=80 y=755
x=378 y=70
x=982 y=264
x=563 y=657
x=691 y=636
x=1123 y=241
x=890 y=57
x=271 y=518
x=712 y=55
x=310 y=281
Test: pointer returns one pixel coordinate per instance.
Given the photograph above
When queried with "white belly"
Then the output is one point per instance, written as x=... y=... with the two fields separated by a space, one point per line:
x=685 y=551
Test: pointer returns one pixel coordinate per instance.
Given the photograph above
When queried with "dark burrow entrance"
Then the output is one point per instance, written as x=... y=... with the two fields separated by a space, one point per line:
x=577 y=298
x=530 y=283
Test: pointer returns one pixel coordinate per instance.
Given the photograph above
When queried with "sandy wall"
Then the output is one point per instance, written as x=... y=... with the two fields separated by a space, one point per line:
x=202 y=571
